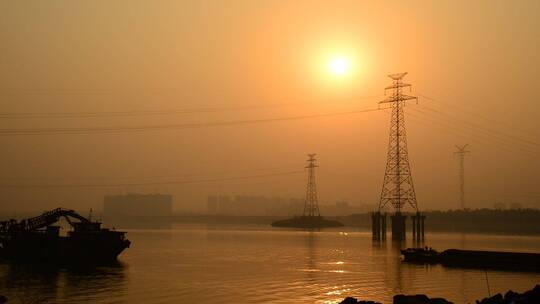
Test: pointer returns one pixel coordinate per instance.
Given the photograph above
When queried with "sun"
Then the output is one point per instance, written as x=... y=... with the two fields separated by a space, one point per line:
x=339 y=66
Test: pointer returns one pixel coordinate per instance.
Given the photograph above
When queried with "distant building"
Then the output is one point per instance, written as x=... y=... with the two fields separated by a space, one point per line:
x=343 y=208
x=248 y=205
x=516 y=206
x=134 y=204
x=226 y=205
x=296 y=206
x=499 y=206
x=251 y=205
x=212 y=204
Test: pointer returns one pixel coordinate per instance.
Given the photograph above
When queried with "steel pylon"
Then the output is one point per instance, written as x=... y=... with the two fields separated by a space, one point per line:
x=398 y=188
x=311 y=206
x=461 y=152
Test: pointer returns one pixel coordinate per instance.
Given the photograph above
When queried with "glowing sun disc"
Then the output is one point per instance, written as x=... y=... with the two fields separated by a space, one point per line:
x=339 y=66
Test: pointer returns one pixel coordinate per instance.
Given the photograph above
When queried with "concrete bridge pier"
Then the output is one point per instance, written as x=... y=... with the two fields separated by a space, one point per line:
x=398 y=226
x=418 y=226
x=378 y=225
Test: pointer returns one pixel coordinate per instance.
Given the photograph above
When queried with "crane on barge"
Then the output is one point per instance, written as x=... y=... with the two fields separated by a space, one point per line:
x=37 y=239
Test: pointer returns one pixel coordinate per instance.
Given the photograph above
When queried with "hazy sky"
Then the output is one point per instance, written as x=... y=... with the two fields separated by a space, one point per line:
x=114 y=63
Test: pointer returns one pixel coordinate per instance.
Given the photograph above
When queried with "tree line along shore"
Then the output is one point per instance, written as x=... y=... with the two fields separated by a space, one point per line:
x=493 y=221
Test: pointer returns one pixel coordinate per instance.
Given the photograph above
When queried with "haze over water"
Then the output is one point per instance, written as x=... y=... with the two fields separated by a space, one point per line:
x=224 y=98
x=257 y=264
x=137 y=64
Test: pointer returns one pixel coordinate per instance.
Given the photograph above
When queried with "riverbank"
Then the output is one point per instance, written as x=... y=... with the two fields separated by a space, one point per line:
x=515 y=222
x=491 y=221
x=510 y=297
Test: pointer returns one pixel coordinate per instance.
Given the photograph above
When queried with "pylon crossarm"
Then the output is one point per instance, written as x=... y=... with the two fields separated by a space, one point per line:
x=397 y=76
x=388 y=100
x=407 y=97
x=397 y=85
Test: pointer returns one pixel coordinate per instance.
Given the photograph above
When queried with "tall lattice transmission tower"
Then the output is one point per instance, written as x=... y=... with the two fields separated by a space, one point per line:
x=398 y=188
x=461 y=152
x=311 y=206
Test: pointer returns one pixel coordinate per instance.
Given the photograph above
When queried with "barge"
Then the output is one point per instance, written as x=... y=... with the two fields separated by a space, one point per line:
x=37 y=239
x=521 y=261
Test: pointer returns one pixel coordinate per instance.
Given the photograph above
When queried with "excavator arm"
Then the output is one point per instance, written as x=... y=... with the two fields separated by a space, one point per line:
x=46 y=219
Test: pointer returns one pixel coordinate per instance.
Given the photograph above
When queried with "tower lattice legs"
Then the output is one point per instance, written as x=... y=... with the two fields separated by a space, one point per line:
x=398 y=189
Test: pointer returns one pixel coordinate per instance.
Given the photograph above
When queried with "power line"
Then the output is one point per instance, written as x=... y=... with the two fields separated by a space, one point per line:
x=116 y=185
x=95 y=114
x=466 y=111
x=92 y=130
x=459 y=130
x=127 y=179
x=489 y=130
x=30 y=115
x=478 y=131
x=456 y=131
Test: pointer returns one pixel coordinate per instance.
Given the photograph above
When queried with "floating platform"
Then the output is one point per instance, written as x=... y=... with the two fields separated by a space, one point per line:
x=498 y=260
x=307 y=222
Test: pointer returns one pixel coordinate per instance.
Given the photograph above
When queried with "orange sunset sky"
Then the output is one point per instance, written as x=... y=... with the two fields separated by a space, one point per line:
x=97 y=64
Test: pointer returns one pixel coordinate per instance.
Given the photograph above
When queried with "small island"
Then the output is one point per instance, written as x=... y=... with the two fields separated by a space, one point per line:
x=307 y=222
x=311 y=218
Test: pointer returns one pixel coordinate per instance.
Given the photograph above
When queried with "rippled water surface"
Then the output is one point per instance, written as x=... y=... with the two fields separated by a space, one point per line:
x=259 y=264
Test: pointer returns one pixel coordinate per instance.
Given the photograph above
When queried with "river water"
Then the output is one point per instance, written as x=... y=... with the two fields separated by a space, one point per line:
x=200 y=263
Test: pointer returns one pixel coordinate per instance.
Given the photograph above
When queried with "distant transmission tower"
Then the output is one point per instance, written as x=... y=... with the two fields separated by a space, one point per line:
x=398 y=186
x=311 y=206
x=461 y=153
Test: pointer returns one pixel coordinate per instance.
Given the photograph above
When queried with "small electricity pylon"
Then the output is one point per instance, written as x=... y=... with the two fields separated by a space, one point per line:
x=461 y=152
x=398 y=188
x=311 y=206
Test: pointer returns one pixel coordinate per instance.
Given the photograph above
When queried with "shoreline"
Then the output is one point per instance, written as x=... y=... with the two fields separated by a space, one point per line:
x=475 y=224
x=510 y=297
x=522 y=222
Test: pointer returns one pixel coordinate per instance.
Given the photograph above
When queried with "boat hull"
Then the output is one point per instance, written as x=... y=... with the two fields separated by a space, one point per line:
x=94 y=248
x=420 y=255
x=476 y=259
x=491 y=260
